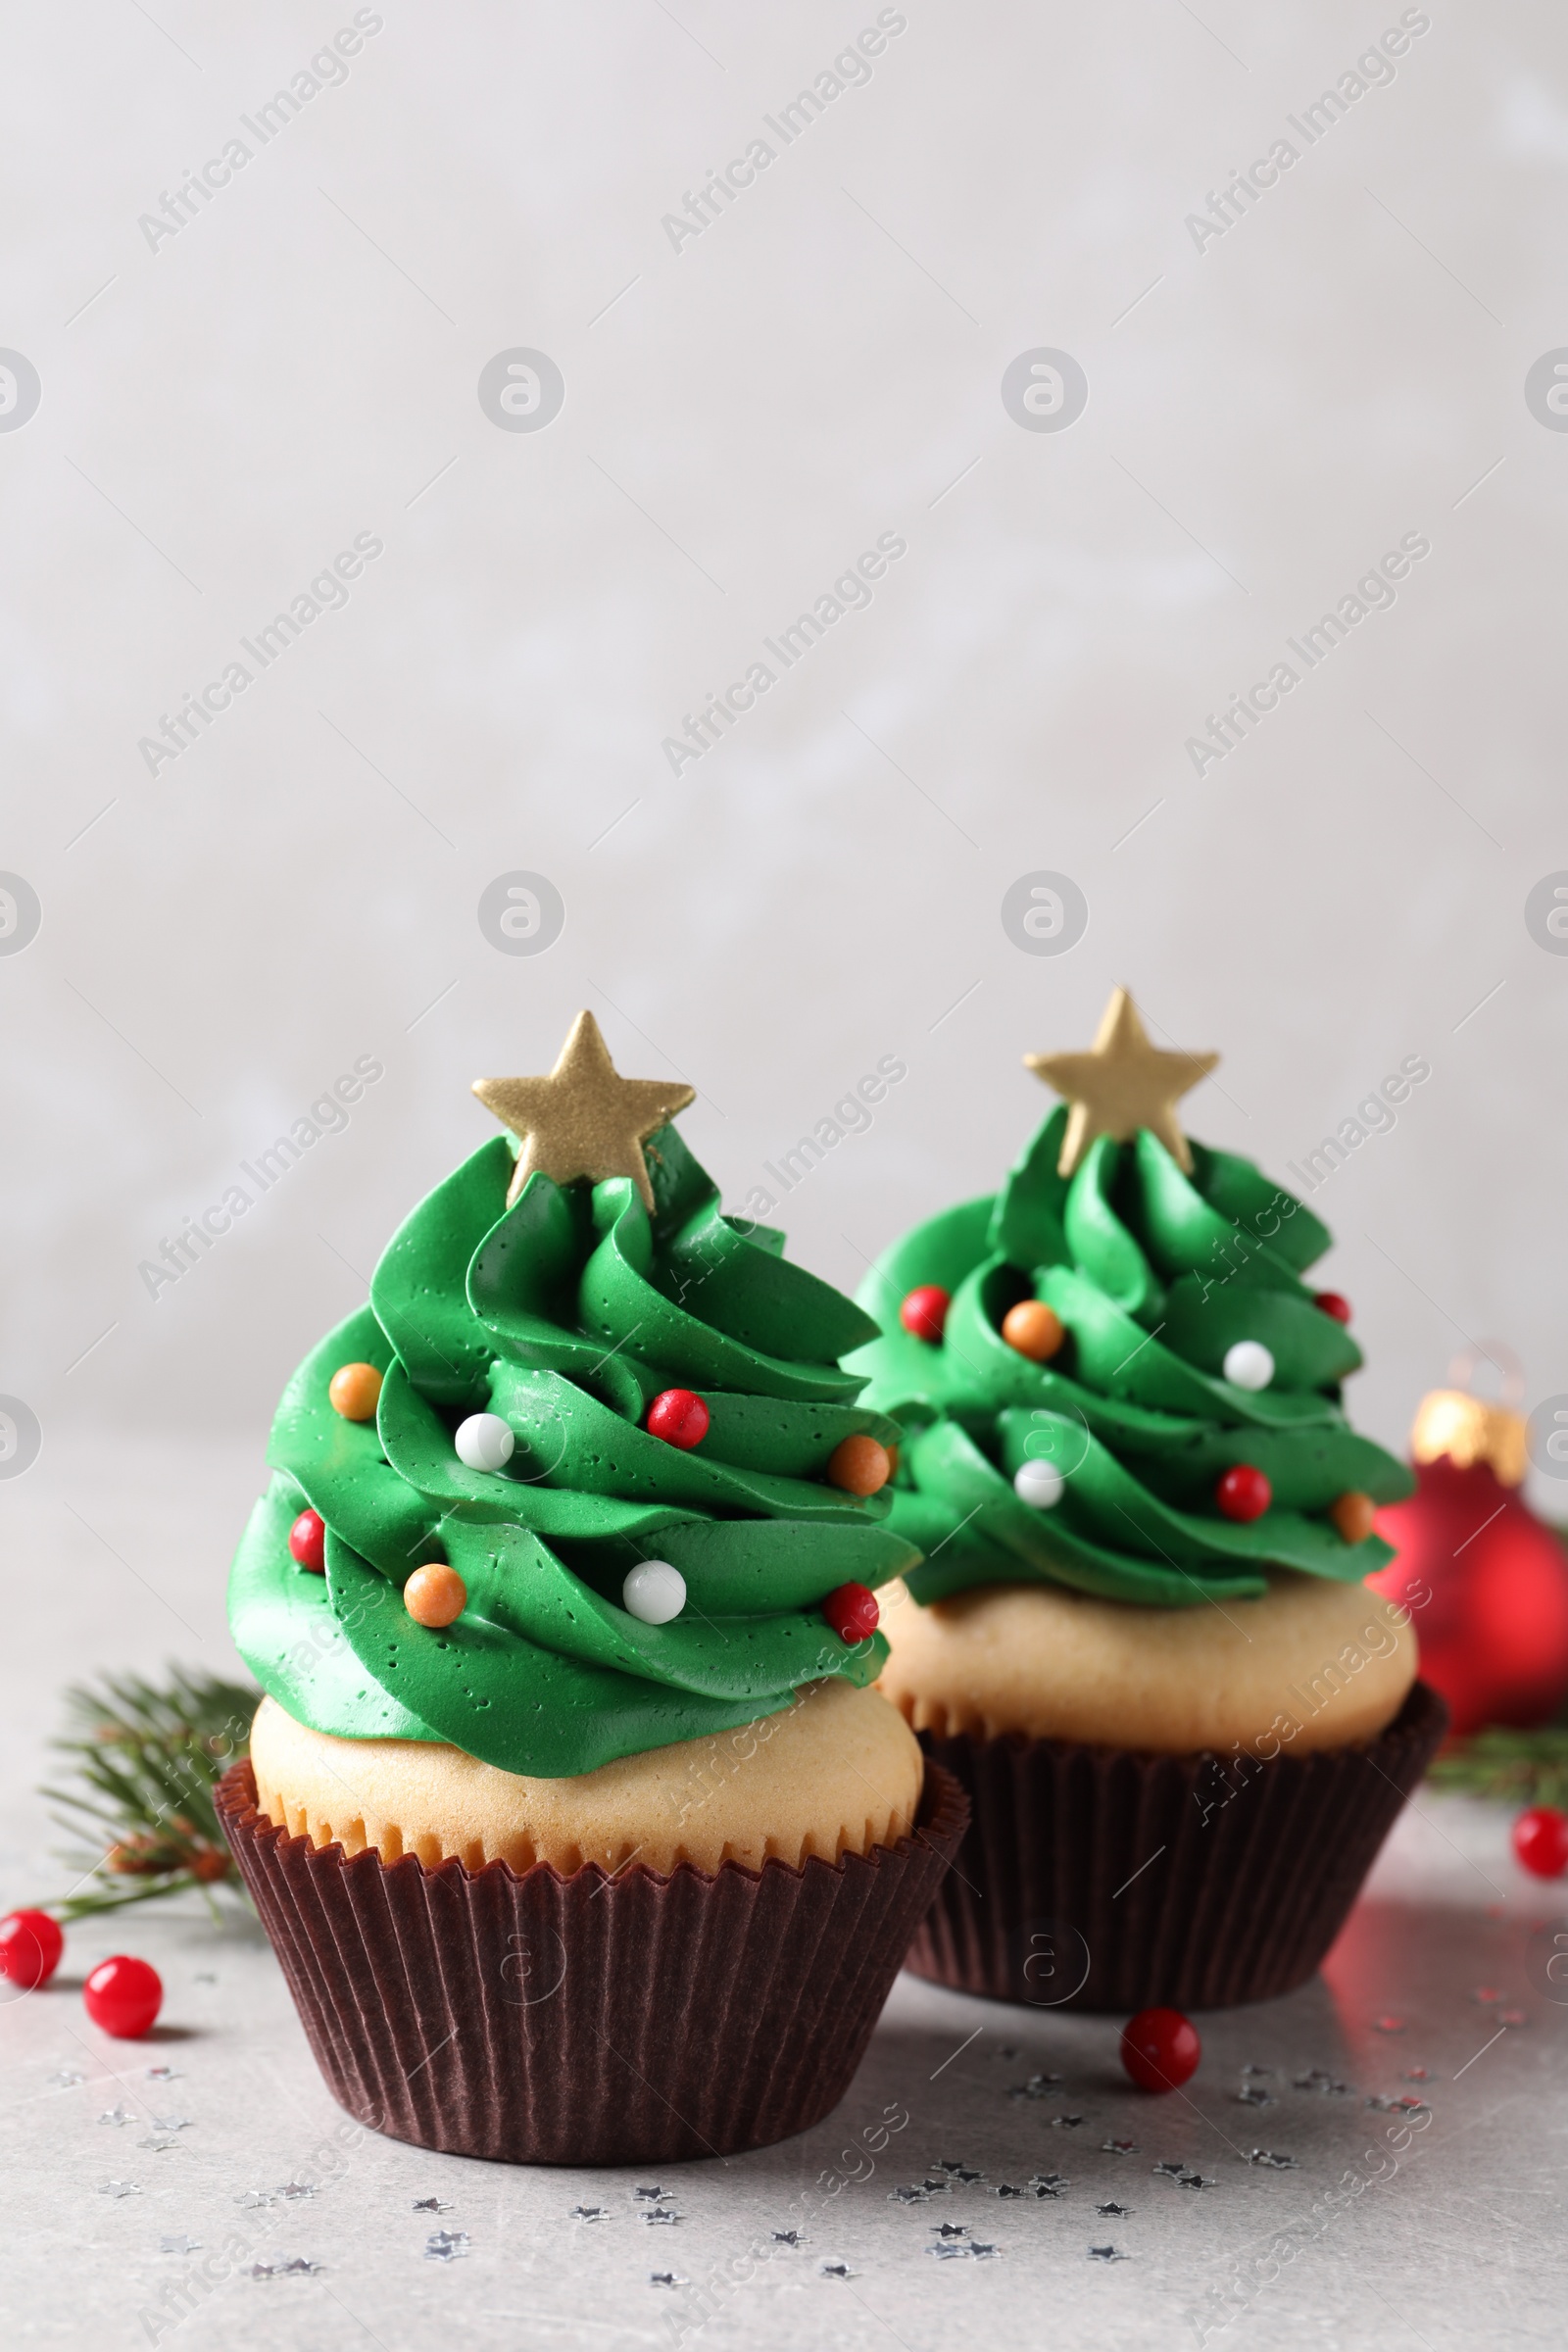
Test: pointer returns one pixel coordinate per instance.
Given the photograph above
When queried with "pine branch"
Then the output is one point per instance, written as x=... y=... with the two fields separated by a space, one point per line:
x=1519 y=1767
x=144 y=1760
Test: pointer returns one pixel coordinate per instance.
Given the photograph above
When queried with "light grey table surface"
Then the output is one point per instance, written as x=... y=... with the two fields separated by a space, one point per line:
x=1453 y=2237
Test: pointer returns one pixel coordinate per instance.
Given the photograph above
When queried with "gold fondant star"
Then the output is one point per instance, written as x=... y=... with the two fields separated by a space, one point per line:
x=583 y=1120
x=1121 y=1084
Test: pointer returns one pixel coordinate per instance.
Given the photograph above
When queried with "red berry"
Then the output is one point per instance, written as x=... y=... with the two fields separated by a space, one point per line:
x=30 y=1946
x=851 y=1611
x=679 y=1418
x=1333 y=1303
x=925 y=1311
x=1244 y=1492
x=1160 y=2050
x=123 y=1996
x=1539 y=1840
x=307 y=1541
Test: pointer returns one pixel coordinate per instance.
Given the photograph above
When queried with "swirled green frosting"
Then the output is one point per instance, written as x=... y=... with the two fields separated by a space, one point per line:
x=566 y=1315
x=1155 y=1275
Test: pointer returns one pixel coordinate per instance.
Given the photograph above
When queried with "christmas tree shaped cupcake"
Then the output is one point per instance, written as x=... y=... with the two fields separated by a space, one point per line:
x=1139 y=1633
x=563 y=1600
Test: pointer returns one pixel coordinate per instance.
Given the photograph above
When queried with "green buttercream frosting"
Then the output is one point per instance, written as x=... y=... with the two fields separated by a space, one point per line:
x=566 y=1314
x=1155 y=1275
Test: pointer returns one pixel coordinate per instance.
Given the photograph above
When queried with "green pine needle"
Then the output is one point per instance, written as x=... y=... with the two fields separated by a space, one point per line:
x=1518 y=1767
x=144 y=1761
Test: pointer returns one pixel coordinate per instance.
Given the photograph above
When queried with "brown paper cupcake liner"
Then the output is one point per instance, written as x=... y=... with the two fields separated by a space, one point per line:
x=591 y=2019
x=1097 y=1878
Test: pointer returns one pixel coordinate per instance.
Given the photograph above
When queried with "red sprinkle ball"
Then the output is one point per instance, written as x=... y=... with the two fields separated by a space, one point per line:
x=679 y=1418
x=123 y=1996
x=30 y=1946
x=1160 y=2050
x=851 y=1611
x=1540 y=1841
x=1244 y=1494
x=1333 y=1303
x=307 y=1541
x=925 y=1311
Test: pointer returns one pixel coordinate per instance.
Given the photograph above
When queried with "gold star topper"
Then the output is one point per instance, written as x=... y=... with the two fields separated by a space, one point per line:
x=583 y=1119
x=1121 y=1084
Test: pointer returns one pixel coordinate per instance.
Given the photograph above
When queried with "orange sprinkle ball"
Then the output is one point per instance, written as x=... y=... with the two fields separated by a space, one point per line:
x=1353 y=1514
x=1035 y=1328
x=859 y=1465
x=435 y=1594
x=356 y=1391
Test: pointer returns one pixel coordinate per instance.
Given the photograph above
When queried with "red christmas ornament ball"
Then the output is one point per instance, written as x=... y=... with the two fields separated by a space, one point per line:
x=1332 y=1303
x=680 y=1417
x=123 y=1996
x=925 y=1311
x=30 y=1946
x=1540 y=1841
x=851 y=1611
x=1244 y=1494
x=1486 y=1586
x=307 y=1541
x=1160 y=2050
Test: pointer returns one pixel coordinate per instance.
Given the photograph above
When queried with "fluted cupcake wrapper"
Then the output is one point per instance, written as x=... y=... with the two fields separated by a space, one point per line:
x=592 y=2019
x=1097 y=1878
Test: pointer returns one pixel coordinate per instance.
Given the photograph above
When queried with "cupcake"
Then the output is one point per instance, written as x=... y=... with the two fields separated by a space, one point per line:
x=571 y=1809
x=1139 y=1635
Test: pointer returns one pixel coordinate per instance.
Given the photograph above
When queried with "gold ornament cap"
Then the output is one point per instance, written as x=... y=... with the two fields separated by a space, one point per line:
x=584 y=1119
x=1123 y=1082
x=1472 y=1429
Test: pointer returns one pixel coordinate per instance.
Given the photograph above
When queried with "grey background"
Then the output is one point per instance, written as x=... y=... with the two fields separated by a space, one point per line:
x=821 y=366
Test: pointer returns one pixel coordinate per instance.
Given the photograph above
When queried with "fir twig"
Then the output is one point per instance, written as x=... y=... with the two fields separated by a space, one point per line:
x=1519 y=1767
x=144 y=1761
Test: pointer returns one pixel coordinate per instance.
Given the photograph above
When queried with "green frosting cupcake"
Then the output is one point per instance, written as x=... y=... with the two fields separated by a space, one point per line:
x=1158 y=1277
x=566 y=1314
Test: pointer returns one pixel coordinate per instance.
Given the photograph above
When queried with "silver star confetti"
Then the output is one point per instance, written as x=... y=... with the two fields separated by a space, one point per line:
x=443 y=2205
x=118 y=2188
x=117 y=2115
x=1119 y=2147
x=1065 y=2123
x=670 y=2279
x=578 y=2213
x=66 y=2079
x=1272 y=2159
x=446 y=2245
x=662 y=2215
x=1112 y=2212
x=835 y=2269
x=1036 y=2087
x=791 y=2238
x=179 y=2244
x=1107 y=2254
